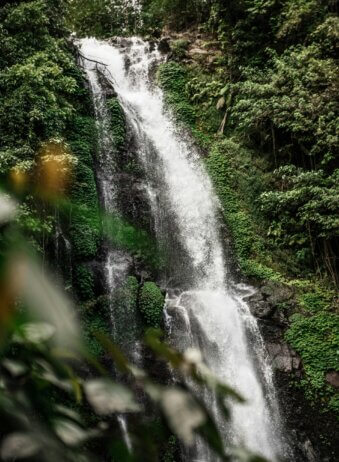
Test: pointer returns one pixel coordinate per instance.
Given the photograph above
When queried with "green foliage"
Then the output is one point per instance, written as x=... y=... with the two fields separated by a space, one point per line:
x=103 y=18
x=123 y=235
x=223 y=168
x=174 y=13
x=83 y=186
x=127 y=326
x=316 y=301
x=309 y=198
x=296 y=16
x=44 y=98
x=296 y=96
x=35 y=224
x=316 y=339
x=118 y=122
x=92 y=325
x=84 y=233
x=151 y=304
x=172 y=78
x=82 y=135
x=169 y=455
x=35 y=106
x=304 y=214
x=85 y=224
x=179 y=48
x=83 y=282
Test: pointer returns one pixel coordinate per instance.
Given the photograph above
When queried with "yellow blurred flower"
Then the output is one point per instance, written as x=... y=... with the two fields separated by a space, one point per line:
x=55 y=165
x=19 y=179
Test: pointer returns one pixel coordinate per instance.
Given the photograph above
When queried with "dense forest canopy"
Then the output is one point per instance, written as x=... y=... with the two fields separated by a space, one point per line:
x=255 y=82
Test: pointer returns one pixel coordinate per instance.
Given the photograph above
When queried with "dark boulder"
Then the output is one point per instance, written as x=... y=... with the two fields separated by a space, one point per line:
x=259 y=307
x=283 y=357
x=272 y=300
x=164 y=46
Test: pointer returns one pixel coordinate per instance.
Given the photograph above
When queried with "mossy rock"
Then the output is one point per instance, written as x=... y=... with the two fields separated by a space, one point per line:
x=151 y=303
x=118 y=122
x=316 y=339
x=93 y=324
x=85 y=234
x=127 y=325
x=84 y=187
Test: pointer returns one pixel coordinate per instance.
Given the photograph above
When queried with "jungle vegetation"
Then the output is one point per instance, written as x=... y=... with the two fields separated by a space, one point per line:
x=265 y=112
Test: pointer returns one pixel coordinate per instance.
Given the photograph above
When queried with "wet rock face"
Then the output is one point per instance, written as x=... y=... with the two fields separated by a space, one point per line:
x=271 y=304
x=106 y=85
x=272 y=301
x=283 y=357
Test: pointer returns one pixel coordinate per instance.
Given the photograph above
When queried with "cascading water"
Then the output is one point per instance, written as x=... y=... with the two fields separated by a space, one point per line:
x=117 y=263
x=204 y=308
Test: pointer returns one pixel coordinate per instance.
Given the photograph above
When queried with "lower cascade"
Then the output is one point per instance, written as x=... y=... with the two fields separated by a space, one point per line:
x=205 y=309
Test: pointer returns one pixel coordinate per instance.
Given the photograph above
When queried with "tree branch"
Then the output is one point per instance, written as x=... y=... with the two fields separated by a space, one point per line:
x=92 y=60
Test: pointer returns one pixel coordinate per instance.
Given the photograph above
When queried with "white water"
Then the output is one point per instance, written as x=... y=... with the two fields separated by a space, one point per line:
x=205 y=310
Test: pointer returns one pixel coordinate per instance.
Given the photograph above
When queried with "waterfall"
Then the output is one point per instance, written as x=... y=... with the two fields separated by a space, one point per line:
x=205 y=309
x=117 y=262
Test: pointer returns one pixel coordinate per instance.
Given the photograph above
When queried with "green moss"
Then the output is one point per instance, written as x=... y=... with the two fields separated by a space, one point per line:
x=91 y=325
x=248 y=245
x=84 y=282
x=151 y=303
x=136 y=241
x=315 y=301
x=85 y=228
x=85 y=233
x=172 y=78
x=84 y=187
x=209 y=120
x=257 y=270
x=316 y=339
x=127 y=328
x=118 y=123
x=83 y=131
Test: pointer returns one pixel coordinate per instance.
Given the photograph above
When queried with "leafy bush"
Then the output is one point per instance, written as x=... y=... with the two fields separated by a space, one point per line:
x=305 y=209
x=179 y=48
x=103 y=18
